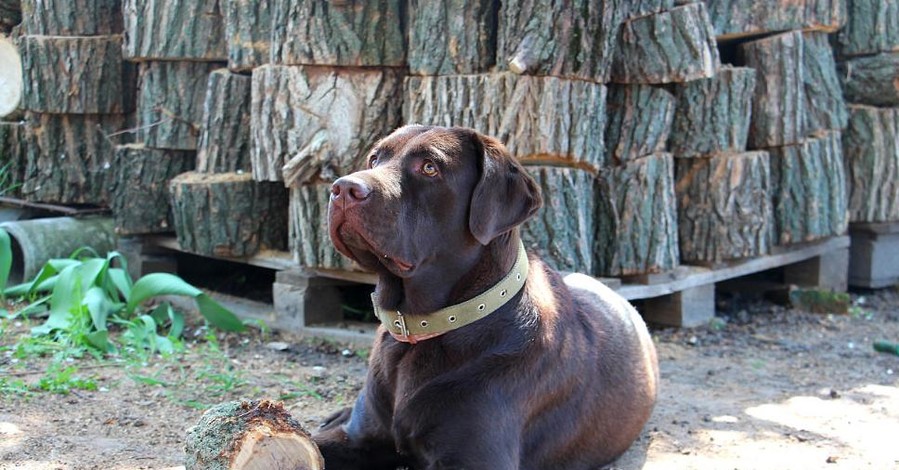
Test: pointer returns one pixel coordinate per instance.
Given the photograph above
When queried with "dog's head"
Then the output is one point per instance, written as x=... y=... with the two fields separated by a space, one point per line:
x=430 y=196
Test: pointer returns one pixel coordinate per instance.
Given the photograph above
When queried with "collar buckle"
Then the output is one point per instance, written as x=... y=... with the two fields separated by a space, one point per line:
x=400 y=323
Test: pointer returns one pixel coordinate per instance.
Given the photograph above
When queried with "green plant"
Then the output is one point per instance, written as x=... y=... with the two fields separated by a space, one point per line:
x=61 y=380
x=7 y=179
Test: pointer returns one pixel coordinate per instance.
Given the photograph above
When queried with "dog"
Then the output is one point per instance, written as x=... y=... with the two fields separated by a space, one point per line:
x=486 y=358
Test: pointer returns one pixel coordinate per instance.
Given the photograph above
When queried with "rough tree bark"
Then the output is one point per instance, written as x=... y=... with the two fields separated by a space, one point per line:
x=639 y=121
x=712 y=115
x=734 y=19
x=310 y=241
x=10 y=14
x=72 y=17
x=140 y=187
x=320 y=120
x=225 y=143
x=348 y=33
x=542 y=120
x=778 y=104
x=13 y=157
x=724 y=207
x=872 y=80
x=636 y=8
x=449 y=37
x=636 y=218
x=174 y=30
x=248 y=33
x=871 y=155
x=170 y=103
x=76 y=75
x=872 y=26
x=825 y=107
x=228 y=214
x=677 y=45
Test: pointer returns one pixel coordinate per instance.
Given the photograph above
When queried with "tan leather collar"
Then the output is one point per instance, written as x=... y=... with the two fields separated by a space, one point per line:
x=415 y=328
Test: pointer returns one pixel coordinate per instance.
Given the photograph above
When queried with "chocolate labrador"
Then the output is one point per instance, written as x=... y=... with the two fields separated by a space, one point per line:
x=486 y=358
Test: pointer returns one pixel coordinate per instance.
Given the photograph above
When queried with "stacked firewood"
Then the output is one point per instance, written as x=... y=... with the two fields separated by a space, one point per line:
x=12 y=129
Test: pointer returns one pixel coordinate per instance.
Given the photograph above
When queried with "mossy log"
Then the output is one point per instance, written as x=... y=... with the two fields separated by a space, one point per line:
x=542 y=120
x=636 y=218
x=10 y=14
x=228 y=214
x=225 y=143
x=778 y=104
x=248 y=33
x=70 y=157
x=872 y=26
x=871 y=155
x=872 y=80
x=310 y=241
x=140 y=187
x=572 y=39
x=346 y=33
x=174 y=30
x=825 y=107
x=322 y=121
x=72 y=17
x=677 y=45
x=13 y=157
x=448 y=37
x=246 y=435
x=639 y=121
x=736 y=19
x=170 y=103
x=808 y=187
x=562 y=231
x=712 y=114
x=83 y=75
x=724 y=207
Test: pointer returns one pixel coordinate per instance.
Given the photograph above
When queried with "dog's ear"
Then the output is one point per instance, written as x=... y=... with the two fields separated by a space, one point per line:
x=505 y=195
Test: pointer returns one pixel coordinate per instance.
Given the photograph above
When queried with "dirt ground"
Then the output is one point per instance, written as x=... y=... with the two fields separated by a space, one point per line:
x=762 y=387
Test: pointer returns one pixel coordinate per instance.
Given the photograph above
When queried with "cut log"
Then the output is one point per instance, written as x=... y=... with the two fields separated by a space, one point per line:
x=637 y=8
x=562 y=231
x=871 y=155
x=310 y=241
x=636 y=218
x=224 y=144
x=808 y=184
x=12 y=158
x=639 y=121
x=250 y=435
x=712 y=115
x=174 y=30
x=572 y=39
x=872 y=26
x=228 y=214
x=778 y=104
x=733 y=19
x=871 y=80
x=140 y=187
x=825 y=107
x=11 y=85
x=10 y=14
x=320 y=120
x=677 y=45
x=170 y=103
x=248 y=33
x=347 y=33
x=77 y=75
x=724 y=207
x=70 y=157
x=542 y=120
x=72 y=17
x=449 y=37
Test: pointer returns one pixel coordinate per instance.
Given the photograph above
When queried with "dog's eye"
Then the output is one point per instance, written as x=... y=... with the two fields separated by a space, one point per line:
x=428 y=168
x=372 y=161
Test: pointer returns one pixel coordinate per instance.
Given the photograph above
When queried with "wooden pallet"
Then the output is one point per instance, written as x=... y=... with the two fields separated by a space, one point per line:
x=874 y=255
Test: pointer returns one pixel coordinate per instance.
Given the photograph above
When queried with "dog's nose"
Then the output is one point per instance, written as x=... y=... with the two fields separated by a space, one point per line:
x=350 y=190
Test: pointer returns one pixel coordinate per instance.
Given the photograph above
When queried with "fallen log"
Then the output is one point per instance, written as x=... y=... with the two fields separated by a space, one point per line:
x=639 y=121
x=10 y=77
x=224 y=144
x=871 y=154
x=441 y=42
x=174 y=30
x=872 y=26
x=733 y=19
x=872 y=80
x=248 y=34
x=825 y=107
x=310 y=241
x=72 y=17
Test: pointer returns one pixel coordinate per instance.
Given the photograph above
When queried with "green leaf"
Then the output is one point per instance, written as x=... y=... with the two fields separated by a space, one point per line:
x=67 y=292
x=121 y=280
x=99 y=306
x=156 y=284
x=91 y=270
x=100 y=340
x=177 y=318
x=218 y=316
x=5 y=258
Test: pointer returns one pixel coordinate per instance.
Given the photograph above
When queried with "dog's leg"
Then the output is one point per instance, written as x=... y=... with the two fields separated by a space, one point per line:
x=352 y=439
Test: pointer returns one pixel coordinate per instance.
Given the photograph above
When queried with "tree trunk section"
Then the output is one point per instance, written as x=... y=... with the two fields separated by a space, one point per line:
x=872 y=26
x=640 y=119
x=871 y=155
x=825 y=107
x=10 y=14
x=778 y=104
x=808 y=185
x=636 y=218
x=724 y=207
x=191 y=30
x=225 y=143
x=562 y=231
x=10 y=78
x=573 y=39
x=77 y=75
x=310 y=240
x=320 y=120
x=734 y=19
x=872 y=80
x=637 y=8
x=448 y=37
x=248 y=33
x=228 y=214
x=541 y=120
x=170 y=103
x=347 y=33
x=13 y=158
x=250 y=435
x=72 y=17
x=673 y=46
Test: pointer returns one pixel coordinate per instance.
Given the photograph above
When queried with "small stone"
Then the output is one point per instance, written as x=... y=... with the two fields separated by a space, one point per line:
x=832 y=459
x=834 y=394
x=319 y=372
x=347 y=353
x=278 y=346
x=693 y=341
